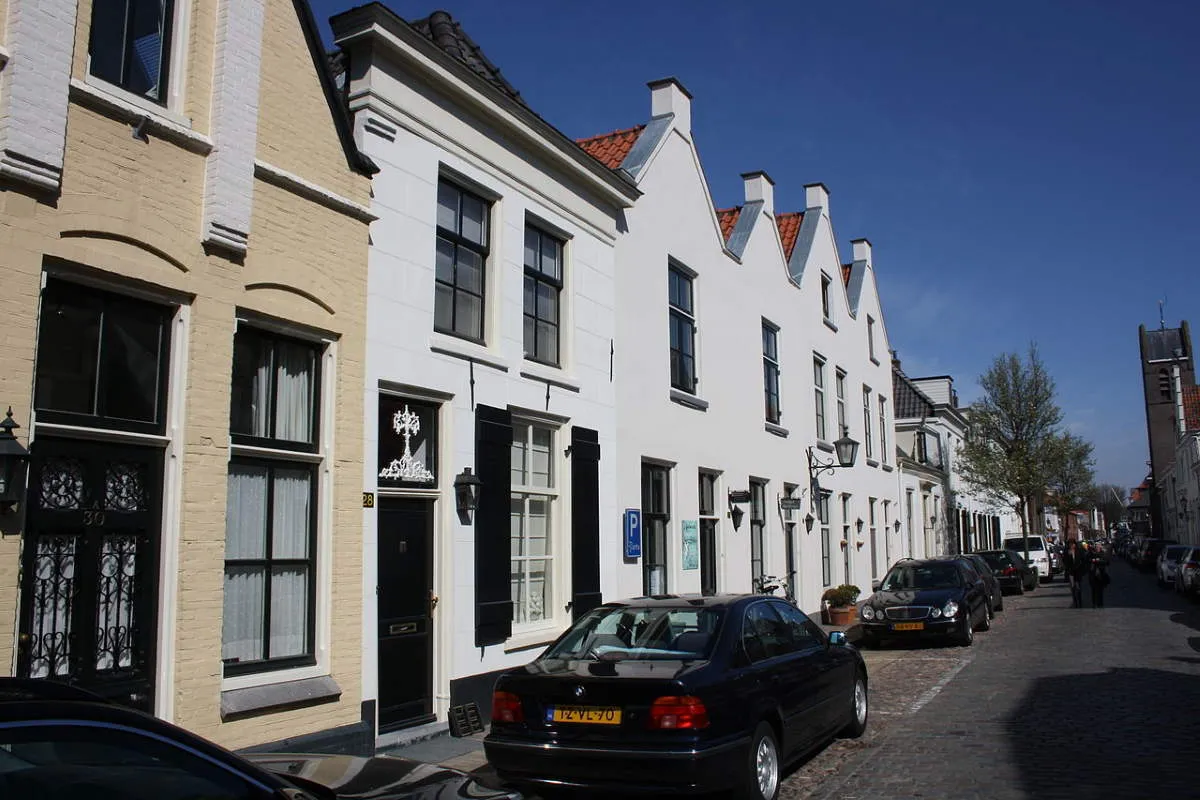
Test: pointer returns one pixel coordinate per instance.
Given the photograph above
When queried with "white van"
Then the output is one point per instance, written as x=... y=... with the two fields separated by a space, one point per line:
x=1039 y=555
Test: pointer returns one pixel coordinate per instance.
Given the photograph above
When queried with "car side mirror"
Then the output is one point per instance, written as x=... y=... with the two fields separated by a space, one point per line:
x=875 y=585
x=838 y=639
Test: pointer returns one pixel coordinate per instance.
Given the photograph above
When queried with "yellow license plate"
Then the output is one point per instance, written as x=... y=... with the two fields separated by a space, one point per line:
x=908 y=626
x=588 y=715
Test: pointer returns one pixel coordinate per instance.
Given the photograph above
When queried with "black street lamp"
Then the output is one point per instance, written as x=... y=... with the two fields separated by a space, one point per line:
x=466 y=494
x=846 y=450
x=13 y=460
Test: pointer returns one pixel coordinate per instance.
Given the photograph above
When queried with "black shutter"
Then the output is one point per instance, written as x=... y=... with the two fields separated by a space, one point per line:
x=585 y=521
x=493 y=592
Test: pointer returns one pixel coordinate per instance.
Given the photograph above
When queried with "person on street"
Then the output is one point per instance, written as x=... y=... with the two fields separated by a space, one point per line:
x=1098 y=579
x=1075 y=567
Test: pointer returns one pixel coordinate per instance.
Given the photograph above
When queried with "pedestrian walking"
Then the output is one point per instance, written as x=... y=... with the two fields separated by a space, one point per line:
x=1098 y=579
x=1075 y=568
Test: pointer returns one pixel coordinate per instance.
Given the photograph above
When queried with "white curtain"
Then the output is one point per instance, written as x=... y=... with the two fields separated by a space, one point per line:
x=260 y=391
x=54 y=579
x=290 y=515
x=242 y=636
x=294 y=392
x=245 y=537
x=118 y=562
x=289 y=611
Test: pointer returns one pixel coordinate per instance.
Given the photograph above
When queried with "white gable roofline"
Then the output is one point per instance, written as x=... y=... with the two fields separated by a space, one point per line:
x=816 y=197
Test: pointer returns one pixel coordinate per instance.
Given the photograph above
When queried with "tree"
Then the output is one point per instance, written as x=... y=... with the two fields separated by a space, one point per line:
x=1013 y=442
x=1072 y=477
x=1112 y=500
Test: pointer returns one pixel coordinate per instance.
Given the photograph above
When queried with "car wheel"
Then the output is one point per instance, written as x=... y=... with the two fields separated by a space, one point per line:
x=1021 y=587
x=763 y=769
x=986 y=625
x=1000 y=602
x=966 y=636
x=858 y=709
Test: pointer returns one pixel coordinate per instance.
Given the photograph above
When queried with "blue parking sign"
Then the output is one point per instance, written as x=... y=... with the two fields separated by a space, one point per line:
x=633 y=533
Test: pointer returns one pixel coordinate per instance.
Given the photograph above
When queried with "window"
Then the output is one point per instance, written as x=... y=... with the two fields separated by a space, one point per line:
x=826 y=543
x=871 y=339
x=819 y=395
x=770 y=335
x=656 y=513
x=883 y=443
x=758 y=524
x=764 y=634
x=839 y=381
x=874 y=542
x=708 y=533
x=131 y=45
x=462 y=251
x=908 y=521
x=271 y=504
x=1164 y=384
x=826 y=306
x=869 y=444
x=534 y=496
x=805 y=633
x=101 y=359
x=683 y=331
x=543 y=285
x=847 y=542
x=789 y=537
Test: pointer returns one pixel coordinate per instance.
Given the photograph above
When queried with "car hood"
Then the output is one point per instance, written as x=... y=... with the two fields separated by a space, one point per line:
x=916 y=597
x=378 y=777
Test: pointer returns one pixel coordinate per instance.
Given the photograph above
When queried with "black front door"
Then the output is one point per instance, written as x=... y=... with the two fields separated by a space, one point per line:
x=405 y=590
x=89 y=601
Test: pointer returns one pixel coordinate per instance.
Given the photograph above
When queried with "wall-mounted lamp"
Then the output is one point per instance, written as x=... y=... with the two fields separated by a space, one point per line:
x=808 y=523
x=13 y=460
x=846 y=450
x=737 y=496
x=859 y=525
x=466 y=494
x=896 y=525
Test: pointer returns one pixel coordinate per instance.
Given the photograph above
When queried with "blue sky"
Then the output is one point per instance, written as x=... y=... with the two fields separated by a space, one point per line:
x=1026 y=171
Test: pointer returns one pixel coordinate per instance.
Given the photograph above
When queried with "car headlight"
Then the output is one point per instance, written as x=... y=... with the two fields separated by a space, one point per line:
x=935 y=613
x=950 y=609
x=868 y=612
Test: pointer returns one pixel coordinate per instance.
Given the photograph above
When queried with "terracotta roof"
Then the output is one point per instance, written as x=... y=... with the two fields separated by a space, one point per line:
x=441 y=29
x=728 y=218
x=610 y=149
x=846 y=273
x=789 y=229
x=1191 y=407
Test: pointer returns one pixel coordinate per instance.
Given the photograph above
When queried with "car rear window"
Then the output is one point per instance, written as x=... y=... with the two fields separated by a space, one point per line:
x=644 y=634
x=1019 y=544
x=1175 y=552
x=996 y=559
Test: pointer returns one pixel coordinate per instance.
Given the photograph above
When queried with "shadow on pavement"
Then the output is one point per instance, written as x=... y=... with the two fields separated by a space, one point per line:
x=1070 y=735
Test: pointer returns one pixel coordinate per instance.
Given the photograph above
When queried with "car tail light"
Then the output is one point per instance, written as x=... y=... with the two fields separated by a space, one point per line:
x=678 y=713
x=1009 y=571
x=506 y=707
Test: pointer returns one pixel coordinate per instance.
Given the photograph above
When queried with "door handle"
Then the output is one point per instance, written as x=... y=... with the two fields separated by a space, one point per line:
x=433 y=602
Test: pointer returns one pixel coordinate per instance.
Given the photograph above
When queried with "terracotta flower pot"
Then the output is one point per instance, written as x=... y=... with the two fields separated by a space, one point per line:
x=842 y=616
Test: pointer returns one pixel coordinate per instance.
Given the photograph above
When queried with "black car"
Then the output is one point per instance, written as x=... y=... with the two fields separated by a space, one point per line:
x=984 y=571
x=1013 y=572
x=683 y=694
x=921 y=598
x=60 y=742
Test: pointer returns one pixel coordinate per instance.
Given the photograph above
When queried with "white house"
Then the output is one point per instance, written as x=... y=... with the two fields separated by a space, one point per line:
x=743 y=341
x=489 y=339
x=1182 y=502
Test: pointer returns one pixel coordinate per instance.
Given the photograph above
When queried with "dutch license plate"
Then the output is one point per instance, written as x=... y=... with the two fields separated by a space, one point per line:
x=587 y=715
x=908 y=626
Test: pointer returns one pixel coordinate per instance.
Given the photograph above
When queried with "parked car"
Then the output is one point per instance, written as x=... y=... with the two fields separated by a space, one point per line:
x=995 y=594
x=57 y=741
x=1038 y=555
x=1055 y=557
x=1147 y=557
x=933 y=597
x=1168 y=563
x=1012 y=571
x=1187 y=576
x=675 y=694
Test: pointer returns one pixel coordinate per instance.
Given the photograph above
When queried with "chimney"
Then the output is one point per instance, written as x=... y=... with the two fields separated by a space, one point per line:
x=668 y=96
x=816 y=195
x=861 y=249
x=760 y=188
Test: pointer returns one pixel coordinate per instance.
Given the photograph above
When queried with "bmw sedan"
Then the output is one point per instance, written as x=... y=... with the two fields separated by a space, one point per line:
x=926 y=598
x=682 y=694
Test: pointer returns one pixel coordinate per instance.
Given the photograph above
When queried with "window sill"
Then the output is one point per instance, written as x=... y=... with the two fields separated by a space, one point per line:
x=274 y=696
x=689 y=400
x=775 y=428
x=547 y=374
x=126 y=107
x=888 y=468
x=461 y=348
x=830 y=324
x=872 y=462
x=824 y=445
x=532 y=640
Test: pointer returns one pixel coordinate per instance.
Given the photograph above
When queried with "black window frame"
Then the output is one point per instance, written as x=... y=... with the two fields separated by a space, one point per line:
x=883 y=440
x=822 y=424
x=267 y=562
x=682 y=320
x=127 y=48
x=758 y=539
x=66 y=293
x=826 y=539
x=868 y=442
x=826 y=301
x=656 y=517
x=871 y=338
x=249 y=330
x=483 y=250
x=535 y=274
x=773 y=408
x=839 y=392
x=707 y=482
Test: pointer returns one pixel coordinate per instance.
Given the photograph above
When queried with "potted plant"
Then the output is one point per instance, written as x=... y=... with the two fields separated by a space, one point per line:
x=838 y=603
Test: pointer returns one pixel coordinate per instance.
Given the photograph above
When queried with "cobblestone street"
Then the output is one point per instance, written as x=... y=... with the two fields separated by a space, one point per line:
x=1054 y=702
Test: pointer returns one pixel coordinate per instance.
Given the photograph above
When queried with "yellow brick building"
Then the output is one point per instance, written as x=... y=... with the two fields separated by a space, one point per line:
x=183 y=248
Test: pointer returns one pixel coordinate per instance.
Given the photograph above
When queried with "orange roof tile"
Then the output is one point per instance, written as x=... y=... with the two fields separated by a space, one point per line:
x=728 y=218
x=1191 y=407
x=846 y=273
x=610 y=149
x=789 y=229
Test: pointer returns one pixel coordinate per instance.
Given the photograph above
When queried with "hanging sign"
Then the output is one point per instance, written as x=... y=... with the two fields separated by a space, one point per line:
x=633 y=533
x=691 y=544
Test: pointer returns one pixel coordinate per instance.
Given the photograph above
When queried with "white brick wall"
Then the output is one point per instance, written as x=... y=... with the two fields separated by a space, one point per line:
x=33 y=90
x=229 y=174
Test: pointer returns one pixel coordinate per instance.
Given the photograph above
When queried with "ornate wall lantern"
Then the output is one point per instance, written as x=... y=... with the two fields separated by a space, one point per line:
x=808 y=523
x=14 y=459
x=466 y=494
x=737 y=496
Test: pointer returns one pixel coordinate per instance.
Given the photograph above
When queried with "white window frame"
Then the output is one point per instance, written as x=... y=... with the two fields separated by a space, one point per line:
x=839 y=381
x=871 y=339
x=868 y=442
x=553 y=616
x=883 y=440
x=822 y=424
x=826 y=299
